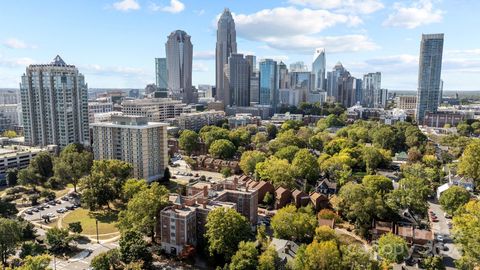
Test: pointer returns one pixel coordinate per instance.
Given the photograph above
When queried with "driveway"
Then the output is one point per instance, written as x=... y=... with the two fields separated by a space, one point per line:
x=441 y=227
x=82 y=260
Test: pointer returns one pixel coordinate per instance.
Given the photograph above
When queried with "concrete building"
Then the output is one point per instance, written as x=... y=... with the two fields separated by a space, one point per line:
x=9 y=96
x=318 y=70
x=268 y=83
x=282 y=117
x=298 y=67
x=105 y=117
x=161 y=73
x=19 y=157
x=179 y=52
x=134 y=140
x=429 y=75
x=236 y=81
x=98 y=107
x=289 y=97
x=301 y=81
x=255 y=87
x=54 y=105
x=196 y=120
x=406 y=102
x=155 y=109
x=226 y=45
x=283 y=77
x=372 y=85
x=243 y=119
x=332 y=81
x=10 y=117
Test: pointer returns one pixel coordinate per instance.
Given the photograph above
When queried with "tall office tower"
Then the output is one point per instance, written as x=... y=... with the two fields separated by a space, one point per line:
x=318 y=70
x=252 y=61
x=54 y=104
x=268 y=83
x=161 y=74
x=429 y=74
x=298 y=67
x=332 y=81
x=440 y=95
x=135 y=140
x=282 y=75
x=346 y=90
x=179 y=51
x=372 y=85
x=255 y=87
x=359 y=91
x=226 y=45
x=301 y=81
x=237 y=81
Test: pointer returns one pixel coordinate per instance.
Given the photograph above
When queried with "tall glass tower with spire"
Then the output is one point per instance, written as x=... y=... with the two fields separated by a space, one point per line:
x=179 y=51
x=318 y=70
x=226 y=45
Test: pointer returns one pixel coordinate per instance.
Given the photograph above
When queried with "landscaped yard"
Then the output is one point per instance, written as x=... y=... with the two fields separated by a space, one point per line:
x=106 y=221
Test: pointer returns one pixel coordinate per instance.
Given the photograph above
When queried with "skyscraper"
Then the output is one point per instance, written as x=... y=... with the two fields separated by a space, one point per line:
x=237 y=81
x=318 y=69
x=282 y=76
x=346 y=89
x=161 y=74
x=332 y=81
x=226 y=45
x=252 y=61
x=268 y=83
x=429 y=74
x=179 y=52
x=54 y=104
x=298 y=66
x=372 y=86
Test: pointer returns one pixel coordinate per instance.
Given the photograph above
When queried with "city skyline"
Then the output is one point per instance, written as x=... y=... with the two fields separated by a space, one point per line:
x=110 y=47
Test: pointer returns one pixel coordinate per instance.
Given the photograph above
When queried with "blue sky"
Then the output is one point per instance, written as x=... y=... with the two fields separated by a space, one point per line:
x=114 y=42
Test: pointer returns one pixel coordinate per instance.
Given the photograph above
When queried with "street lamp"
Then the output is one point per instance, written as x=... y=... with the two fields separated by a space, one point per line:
x=96 y=224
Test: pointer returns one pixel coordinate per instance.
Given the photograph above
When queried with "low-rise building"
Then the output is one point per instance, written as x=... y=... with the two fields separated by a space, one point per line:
x=243 y=119
x=98 y=107
x=283 y=197
x=105 y=117
x=196 y=120
x=282 y=117
x=155 y=109
x=19 y=157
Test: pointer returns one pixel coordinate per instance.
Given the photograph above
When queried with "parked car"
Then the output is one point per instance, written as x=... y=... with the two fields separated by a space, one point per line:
x=35 y=210
x=70 y=207
x=65 y=199
x=58 y=201
x=46 y=205
x=51 y=215
x=61 y=210
x=77 y=205
x=440 y=238
x=447 y=215
x=52 y=203
x=29 y=212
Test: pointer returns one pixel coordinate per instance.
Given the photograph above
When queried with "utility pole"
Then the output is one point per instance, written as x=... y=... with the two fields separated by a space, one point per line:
x=96 y=224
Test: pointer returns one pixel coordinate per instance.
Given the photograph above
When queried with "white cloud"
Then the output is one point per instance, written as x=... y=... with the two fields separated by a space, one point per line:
x=351 y=6
x=175 y=7
x=14 y=43
x=126 y=5
x=16 y=62
x=420 y=12
x=204 y=55
x=112 y=70
x=199 y=66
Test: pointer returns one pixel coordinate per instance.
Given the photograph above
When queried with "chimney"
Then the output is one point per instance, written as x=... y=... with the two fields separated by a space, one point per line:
x=205 y=191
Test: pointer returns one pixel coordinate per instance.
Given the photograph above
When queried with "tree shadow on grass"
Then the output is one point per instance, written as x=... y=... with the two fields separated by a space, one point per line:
x=107 y=216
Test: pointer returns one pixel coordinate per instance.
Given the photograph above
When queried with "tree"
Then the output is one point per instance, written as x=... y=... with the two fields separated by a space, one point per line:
x=278 y=171
x=291 y=124
x=269 y=259
x=305 y=165
x=42 y=166
x=318 y=256
x=433 y=263
x=58 y=239
x=133 y=248
x=225 y=229
x=464 y=129
x=30 y=248
x=75 y=227
x=377 y=184
x=287 y=152
x=10 y=236
x=372 y=158
x=133 y=186
x=412 y=194
x=222 y=149
x=166 y=175
x=9 y=134
x=271 y=131
x=27 y=177
x=73 y=163
x=453 y=198
x=286 y=138
x=7 y=209
x=466 y=228
x=383 y=137
x=249 y=160
x=226 y=172
x=239 y=137
x=268 y=198
x=11 y=177
x=209 y=134
x=143 y=208
x=189 y=141
x=259 y=139
x=324 y=233
x=469 y=164
x=294 y=224
x=246 y=257
x=355 y=258
x=39 y=262
x=392 y=248
x=106 y=260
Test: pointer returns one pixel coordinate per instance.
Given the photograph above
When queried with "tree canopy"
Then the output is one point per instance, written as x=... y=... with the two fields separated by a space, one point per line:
x=294 y=224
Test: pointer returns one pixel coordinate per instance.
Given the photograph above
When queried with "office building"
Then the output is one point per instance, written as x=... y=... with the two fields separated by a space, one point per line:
x=9 y=96
x=134 y=140
x=10 y=117
x=255 y=87
x=155 y=109
x=359 y=90
x=407 y=103
x=429 y=75
x=236 y=81
x=298 y=67
x=346 y=90
x=301 y=81
x=54 y=105
x=440 y=95
x=179 y=52
x=161 y=73
x=226 y=45
x=332 y=81
x=196 y=120
x=289 y=97
x=268 y=83
x=283 y=76
x=243 y=119
x=98 y=107
x=252 y=62
x=372 y=85
x=318 y=70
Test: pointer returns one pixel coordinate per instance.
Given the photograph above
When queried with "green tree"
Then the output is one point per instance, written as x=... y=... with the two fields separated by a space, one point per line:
x=372 y=158
x=305 y=165
x=209 y=134
x=377 y=184
x=246 y=257
x=133 y=186
x=226 y=172
x=453 y=198
x=287 y=152
x=433 y=263
x=318 y=256
x=30 y=248
x=133 y=248
x=291 y=124
x=75 y=227
x=222 y=149
x=269 y=259
x=189 y=141
x=11 y=177
x=383 y=137
x=39 y=262
x=469 y=164
x=107 y=260
x=271 y=131
x=464 y=129
x=259 y=139
x=58 y=239
x=73 y=163
x=466 y=228
x=249 y=160
x=7 y=209
x=294 y=224
x=277 y=171
x=325 y=233
x=10 y=236
x=9 y=134
x=143 y=208
x=412 y=194
x=354 y=257
x=42 y=166
x=268 y=198
x=286 y=138
x=239 y=137
x=225 y=229
x=392 y=248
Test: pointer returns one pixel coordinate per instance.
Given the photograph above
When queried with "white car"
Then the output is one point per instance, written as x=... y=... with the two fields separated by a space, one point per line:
x=440 y=238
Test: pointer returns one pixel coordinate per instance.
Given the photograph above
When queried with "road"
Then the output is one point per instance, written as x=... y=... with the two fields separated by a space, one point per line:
x=441 y=227
x=82 y=260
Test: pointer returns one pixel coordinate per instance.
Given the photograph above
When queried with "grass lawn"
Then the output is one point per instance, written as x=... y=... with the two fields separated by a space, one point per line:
x=106 y=221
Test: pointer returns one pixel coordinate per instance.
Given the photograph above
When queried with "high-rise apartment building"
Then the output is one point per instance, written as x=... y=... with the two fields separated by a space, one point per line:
x=318 y=69
x=255 y=87
x=332 y=81
x=237 y=81
x=134 y=140
x=179 y=52
x=161 y=73
x=372 y=86
x=226 y=45
x=155 y=109
x=429 y=74
x=268 y=83
x=54 y=104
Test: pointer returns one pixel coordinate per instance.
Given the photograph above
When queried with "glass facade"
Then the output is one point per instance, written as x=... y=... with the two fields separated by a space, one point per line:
x=268 y=83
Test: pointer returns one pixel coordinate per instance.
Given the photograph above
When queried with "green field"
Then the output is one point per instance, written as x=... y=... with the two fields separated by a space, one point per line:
x=106 y=221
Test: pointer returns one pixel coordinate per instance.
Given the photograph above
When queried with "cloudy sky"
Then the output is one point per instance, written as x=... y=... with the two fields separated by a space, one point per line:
x=114 y=42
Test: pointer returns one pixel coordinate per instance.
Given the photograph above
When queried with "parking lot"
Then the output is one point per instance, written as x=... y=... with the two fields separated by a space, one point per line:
x=52 y=209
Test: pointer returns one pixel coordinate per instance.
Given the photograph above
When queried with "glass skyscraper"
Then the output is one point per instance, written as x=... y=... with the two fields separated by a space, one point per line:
x=179 y=52
x=226 y=45
x=161 y=73
x=268 y=83
x=429 y=74
x=318 y=69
